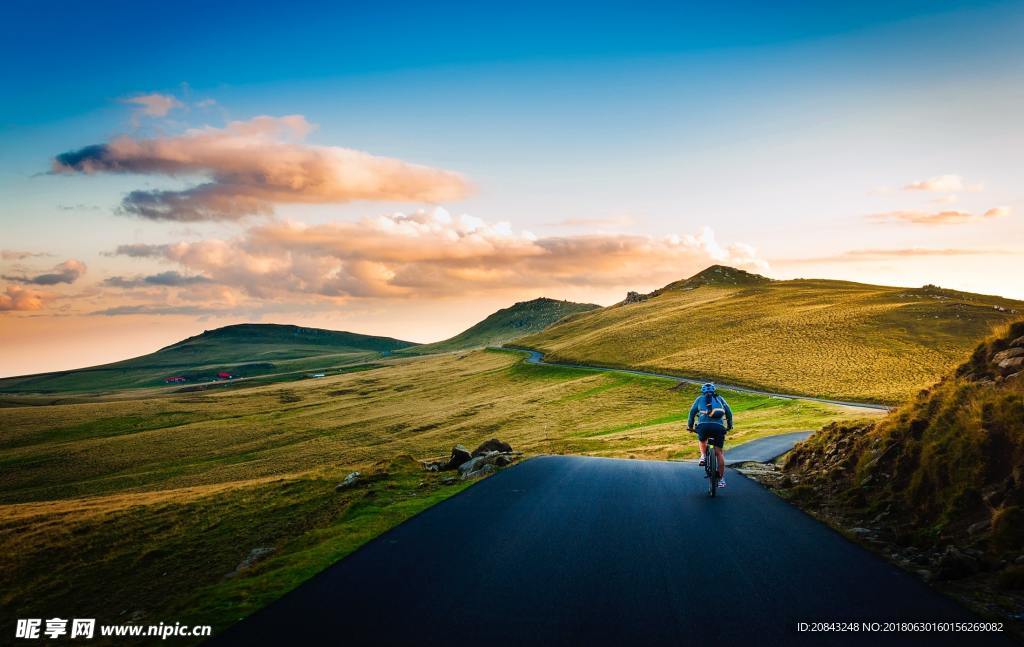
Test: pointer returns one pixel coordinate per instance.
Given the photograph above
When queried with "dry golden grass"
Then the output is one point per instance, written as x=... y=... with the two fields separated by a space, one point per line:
x=163 y=496
x=813 y=337
x=418 y=407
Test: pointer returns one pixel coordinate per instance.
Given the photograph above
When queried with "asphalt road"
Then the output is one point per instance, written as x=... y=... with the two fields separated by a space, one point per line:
x=764 y=449
x=564 y=550
x=536 y=357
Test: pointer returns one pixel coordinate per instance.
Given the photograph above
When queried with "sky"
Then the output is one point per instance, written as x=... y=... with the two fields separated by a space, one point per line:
x=405 y=169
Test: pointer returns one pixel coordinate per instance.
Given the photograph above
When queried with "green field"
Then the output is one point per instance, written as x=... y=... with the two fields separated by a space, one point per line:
x=834 y=339
x=166 y=495
x=245 y=351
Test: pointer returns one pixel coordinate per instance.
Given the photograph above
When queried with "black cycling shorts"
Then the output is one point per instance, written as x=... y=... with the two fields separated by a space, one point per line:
x=715 y=437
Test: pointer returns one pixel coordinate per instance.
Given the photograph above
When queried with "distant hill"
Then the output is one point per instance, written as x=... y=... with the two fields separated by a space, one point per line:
x=507 y=324
x=806 y=336
x=718 y=275
x=244 y=350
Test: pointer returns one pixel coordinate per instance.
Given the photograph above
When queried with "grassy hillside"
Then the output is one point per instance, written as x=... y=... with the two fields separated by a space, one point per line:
x=507 y=324
x=166 y=495
x=806 y=336
x=244 y=350
x=940 y=482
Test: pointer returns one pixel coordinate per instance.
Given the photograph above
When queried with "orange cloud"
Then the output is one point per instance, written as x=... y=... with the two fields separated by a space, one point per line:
x=18 y=298
x=866 y=255
x=254 y=165
x=948 y=217
x=19 y=255
x=432 y=253
x=943 y=184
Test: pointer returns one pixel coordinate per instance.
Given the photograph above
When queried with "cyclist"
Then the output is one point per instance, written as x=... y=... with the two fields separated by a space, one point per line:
x=714 y=418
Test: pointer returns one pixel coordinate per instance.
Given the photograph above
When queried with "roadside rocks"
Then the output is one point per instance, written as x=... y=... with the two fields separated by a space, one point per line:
x=1013 y=364
x=495 y=445
x=486 y=463
x=459 y=456
x=1011 y=360
x=980 y=527
x=255 y=555
x=348 y=482
x=483 y=471
x=1008 y=354
x=955 y=564
x=485 y=459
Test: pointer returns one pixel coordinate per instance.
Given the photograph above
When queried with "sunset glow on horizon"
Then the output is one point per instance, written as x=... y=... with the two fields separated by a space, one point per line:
x=407 y=177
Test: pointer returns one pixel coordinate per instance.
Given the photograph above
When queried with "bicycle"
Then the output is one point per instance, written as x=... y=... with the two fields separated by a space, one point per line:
x=711 y=470
x=710 y=467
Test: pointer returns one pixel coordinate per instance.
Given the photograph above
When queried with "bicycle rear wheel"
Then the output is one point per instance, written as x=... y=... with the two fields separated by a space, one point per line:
x=712 y=470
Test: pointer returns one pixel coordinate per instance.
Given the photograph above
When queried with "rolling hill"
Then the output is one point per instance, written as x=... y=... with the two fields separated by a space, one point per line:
x=244 y=350
x=816 y=337
x=507 y=324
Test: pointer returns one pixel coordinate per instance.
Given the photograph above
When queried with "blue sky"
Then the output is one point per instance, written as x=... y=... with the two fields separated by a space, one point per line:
x=66 y=58
x=794 y=130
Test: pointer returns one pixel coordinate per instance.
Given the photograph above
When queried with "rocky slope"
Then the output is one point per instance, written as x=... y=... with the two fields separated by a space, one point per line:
x=938 y=485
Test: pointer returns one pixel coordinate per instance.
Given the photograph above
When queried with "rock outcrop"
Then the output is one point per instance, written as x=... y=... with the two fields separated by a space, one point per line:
x=492 y=445
x=348 y=481
x=458 y=456
x=488 y=457
x=478 y=465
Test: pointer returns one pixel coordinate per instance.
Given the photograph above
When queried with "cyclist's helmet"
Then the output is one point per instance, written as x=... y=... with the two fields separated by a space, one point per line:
x=707 y=388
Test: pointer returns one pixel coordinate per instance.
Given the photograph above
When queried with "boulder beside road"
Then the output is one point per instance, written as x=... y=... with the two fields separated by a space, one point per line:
x=487 y=458
x=458 y=456
x=492 y=445
x=478 y=465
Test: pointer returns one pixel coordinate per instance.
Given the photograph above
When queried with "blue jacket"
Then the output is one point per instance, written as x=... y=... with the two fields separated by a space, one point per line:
x=699 y=411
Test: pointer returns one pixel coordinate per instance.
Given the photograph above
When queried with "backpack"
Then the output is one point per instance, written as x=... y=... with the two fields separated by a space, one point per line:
x=714 y=413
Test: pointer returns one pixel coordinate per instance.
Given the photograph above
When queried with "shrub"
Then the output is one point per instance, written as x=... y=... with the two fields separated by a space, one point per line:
x=1012 y=579
x=1008 y=528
